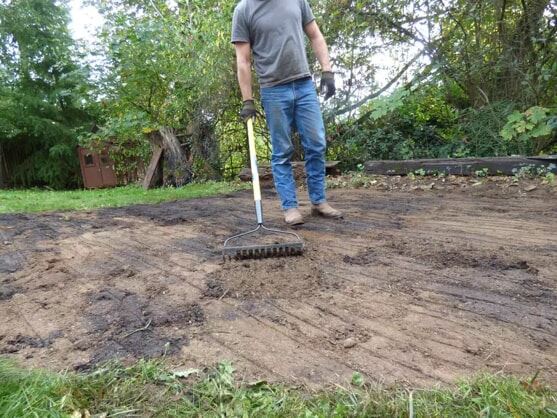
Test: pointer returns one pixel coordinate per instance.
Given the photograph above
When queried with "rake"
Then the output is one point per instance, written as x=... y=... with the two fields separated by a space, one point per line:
x=279 y=247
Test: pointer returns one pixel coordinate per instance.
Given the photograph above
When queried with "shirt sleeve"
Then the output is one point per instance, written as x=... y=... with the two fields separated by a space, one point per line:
x=307 y=14
x=240 y=29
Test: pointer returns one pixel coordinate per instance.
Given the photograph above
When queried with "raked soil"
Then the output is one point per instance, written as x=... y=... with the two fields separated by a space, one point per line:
x=421 y=283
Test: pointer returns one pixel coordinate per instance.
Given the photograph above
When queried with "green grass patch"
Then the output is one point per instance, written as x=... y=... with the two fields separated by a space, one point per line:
x=150 y=389
x=35 y=200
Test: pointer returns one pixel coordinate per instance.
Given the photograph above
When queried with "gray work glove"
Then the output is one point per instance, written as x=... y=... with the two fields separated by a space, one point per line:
x=328 y=84
x=248 y=110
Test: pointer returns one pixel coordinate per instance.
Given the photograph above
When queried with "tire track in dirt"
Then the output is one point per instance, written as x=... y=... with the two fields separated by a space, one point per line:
x=420 y=302
x=384 y=289
x=337 y=358
x=369 y=352
x=440 y=342
x=168 y=272
x=459 y=308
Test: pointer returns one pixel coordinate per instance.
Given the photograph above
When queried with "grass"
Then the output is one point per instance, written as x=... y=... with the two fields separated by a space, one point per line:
x=149 y=389
x=35 y=200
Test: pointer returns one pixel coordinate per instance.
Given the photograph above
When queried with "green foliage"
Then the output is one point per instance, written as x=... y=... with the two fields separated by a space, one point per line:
x=531 y=171
x=35 y=200
x=41 y=94
x=125 y=139
x=149 y=389
x=406 y=125
x=424 y=124
x=480 y=132
x=169 y=67
x=382 y=106
x=533 y=127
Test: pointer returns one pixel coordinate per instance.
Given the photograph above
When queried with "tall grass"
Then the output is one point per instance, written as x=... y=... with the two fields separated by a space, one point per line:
x=149 y=389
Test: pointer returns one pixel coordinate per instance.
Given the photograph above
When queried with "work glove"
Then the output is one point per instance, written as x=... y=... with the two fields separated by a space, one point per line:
x=328 y=84
x=248 y=110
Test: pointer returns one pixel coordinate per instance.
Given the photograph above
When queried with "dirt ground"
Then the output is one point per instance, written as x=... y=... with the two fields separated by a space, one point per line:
x=424 y=282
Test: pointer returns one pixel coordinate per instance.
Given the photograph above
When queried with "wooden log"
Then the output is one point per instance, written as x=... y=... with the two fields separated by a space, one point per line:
x=154 y=175
x=266 y=175
x=464 y=166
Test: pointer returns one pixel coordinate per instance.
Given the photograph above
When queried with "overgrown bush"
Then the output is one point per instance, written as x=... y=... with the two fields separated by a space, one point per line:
x=404 y=125
x=424 y=124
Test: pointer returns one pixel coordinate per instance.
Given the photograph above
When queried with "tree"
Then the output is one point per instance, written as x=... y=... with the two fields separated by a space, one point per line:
x=492 y=49
x=170 y=72
x=42 y=91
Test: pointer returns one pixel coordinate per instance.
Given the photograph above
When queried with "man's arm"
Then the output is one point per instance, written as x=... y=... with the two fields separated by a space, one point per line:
x=318 y=45
x=243 y=61
x=322 y=53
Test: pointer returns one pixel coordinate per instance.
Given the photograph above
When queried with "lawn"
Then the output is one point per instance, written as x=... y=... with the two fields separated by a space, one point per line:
x=36 y=200
x=148 y=388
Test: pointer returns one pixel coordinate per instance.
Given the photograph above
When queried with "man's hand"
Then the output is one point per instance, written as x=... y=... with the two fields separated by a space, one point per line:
x=328 y=84
x=248 y=110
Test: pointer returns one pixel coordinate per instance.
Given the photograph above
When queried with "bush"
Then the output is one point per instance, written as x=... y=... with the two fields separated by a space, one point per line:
x=405 y=125
x=423 y=124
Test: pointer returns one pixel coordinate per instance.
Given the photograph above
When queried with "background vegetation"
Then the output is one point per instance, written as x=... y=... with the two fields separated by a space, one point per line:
x=468 y=78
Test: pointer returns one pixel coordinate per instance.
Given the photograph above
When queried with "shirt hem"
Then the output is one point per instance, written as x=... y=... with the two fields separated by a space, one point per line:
x=234 y=40
x=286 y=80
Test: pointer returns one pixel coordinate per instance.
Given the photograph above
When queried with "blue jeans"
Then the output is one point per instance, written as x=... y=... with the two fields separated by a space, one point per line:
x=287 y=107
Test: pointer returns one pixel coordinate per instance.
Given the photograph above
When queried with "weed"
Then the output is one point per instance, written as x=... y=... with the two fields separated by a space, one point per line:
x=531 y=171
x=481 y=173
x=549 y=178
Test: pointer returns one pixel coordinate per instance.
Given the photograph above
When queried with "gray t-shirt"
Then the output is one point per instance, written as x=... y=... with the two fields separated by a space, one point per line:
x=275 y=31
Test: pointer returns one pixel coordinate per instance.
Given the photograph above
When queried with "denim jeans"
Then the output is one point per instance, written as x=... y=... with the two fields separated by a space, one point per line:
x=287 y=107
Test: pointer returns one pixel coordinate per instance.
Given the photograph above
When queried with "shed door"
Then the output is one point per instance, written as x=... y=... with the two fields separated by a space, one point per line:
x=107 y=170
x=92 y=176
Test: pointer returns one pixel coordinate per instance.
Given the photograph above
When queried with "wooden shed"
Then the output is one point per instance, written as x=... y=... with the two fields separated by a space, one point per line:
x=97 y=169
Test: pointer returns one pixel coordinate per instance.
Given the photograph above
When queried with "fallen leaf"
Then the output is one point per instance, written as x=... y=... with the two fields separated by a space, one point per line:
x=530 y=188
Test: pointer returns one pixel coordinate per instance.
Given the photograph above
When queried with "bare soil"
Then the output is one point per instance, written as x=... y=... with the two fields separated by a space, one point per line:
x=423 y=282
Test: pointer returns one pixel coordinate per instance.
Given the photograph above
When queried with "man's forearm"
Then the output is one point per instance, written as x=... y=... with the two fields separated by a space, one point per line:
x=244 y=79
x=321 y=51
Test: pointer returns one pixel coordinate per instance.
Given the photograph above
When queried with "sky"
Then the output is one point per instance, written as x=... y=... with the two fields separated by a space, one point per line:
x=85 y=21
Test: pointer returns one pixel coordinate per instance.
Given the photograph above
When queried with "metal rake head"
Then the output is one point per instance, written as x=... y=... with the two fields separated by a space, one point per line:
x=284 y=249
x=263 y=251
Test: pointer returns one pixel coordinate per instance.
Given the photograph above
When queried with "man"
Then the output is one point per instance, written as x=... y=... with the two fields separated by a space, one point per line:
x=273 y=30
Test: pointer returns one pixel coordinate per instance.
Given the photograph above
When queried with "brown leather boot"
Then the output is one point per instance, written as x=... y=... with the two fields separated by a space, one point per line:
x=293 y=217
x=325 y=210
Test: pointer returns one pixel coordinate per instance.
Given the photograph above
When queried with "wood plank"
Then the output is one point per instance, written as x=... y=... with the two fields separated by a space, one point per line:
x=153 y=176
x=463 y=166
x=266 y=175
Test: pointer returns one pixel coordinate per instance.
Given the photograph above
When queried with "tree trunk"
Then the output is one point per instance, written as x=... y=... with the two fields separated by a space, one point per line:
x=519 y=51
x=178 y=170
x=205 y=149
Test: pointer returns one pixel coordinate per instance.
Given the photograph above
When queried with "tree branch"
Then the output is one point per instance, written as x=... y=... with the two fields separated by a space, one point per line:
x=382 y=89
